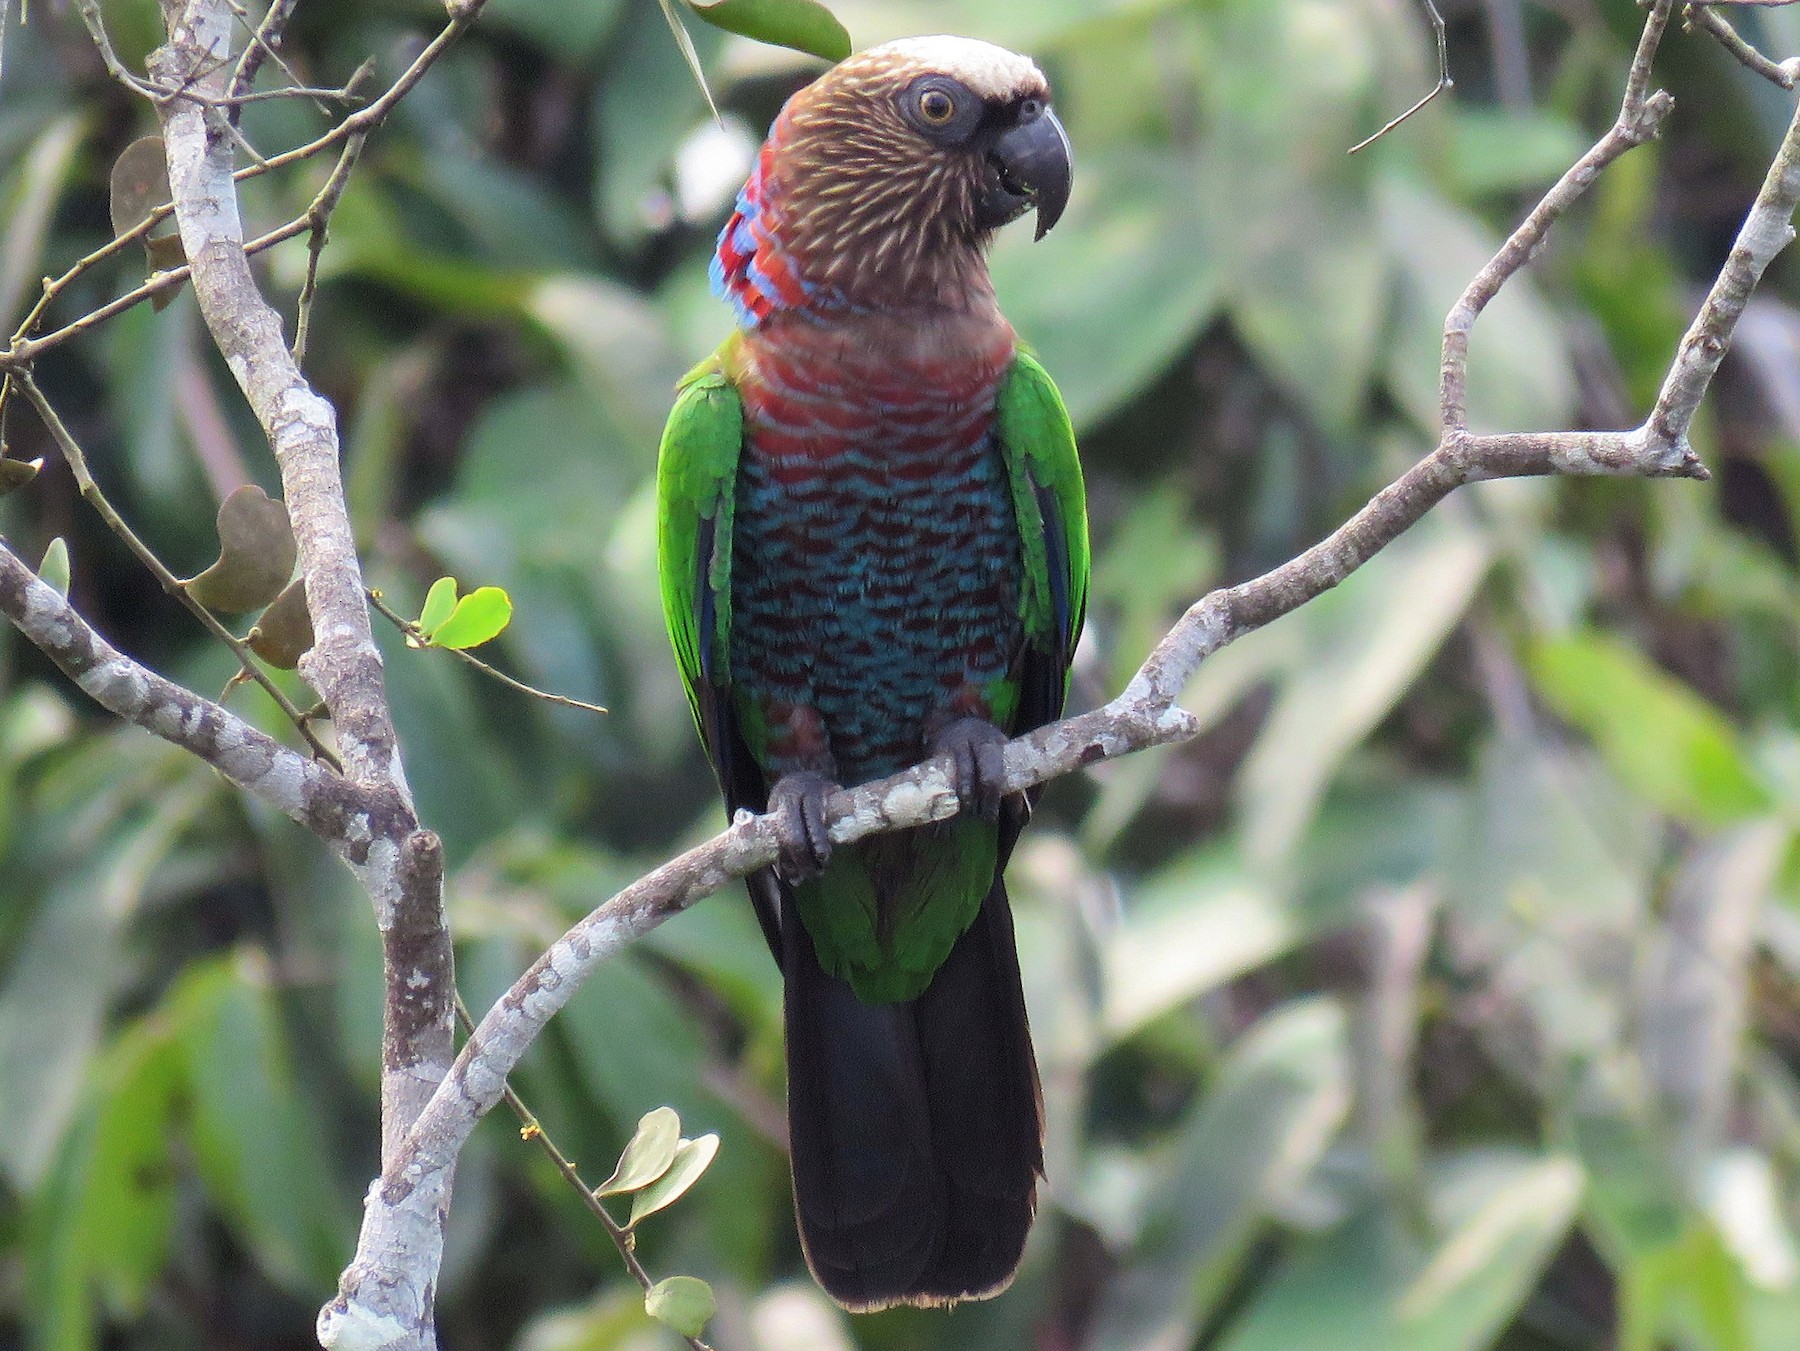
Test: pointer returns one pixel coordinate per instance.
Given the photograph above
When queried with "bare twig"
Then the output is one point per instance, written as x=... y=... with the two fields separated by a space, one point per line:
x=265 y=38
x=96 y=26
x=1640 y=117
x=318 y=222
x=1444 y=82
x=1783 y=73
x=21 y=350
x=412 y=631
x=20 y=356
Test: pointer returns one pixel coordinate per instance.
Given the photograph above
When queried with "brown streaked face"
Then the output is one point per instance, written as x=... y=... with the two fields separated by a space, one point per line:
x=895 y=167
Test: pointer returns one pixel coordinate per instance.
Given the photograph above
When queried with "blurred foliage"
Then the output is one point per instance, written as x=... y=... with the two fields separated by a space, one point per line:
x=1444 y=995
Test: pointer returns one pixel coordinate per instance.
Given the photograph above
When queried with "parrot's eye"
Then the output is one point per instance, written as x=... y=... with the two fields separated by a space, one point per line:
x=936 y=107
x=946 y=111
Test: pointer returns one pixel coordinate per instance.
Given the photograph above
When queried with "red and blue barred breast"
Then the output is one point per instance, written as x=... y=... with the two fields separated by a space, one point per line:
x=876 y=560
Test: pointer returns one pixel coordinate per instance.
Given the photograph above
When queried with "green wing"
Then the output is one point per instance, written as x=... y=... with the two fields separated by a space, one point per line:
x=1050 y=502
x=696 y=477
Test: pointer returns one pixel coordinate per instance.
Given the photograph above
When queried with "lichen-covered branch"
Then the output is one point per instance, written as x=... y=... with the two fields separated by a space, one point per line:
x=344 y=664
x=294 y=784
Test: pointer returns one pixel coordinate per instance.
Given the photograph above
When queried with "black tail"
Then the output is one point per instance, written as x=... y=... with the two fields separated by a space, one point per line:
x=916 y=1128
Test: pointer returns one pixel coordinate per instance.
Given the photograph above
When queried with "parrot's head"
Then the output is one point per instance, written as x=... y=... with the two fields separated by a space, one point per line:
x=883 y=180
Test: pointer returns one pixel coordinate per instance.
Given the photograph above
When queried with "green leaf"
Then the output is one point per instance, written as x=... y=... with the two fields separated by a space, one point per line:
x=801 y=25
x=479 y=617
x=1368 y=1286
x=107 y=1213
x=692 y=1158
x=1276 y=1106
x=53 y=570
x=439 y=602
x=15 y=474
x=684 y=1303
x=1194 y=925
x=71 y=959
x=1662 y=739
x=255 y=1134
x=648 y=1154
x=33 y=198
x=1357 y=651
x=256 y=554
x=1504 y=149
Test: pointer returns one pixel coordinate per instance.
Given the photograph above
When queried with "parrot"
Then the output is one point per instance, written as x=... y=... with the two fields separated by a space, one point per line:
x=873 y=550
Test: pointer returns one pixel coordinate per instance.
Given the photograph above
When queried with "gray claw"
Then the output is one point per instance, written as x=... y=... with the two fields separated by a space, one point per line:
x=798 y=804
x=976 y=755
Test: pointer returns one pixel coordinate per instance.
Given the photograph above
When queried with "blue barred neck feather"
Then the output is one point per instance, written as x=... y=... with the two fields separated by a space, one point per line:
x=850 y=208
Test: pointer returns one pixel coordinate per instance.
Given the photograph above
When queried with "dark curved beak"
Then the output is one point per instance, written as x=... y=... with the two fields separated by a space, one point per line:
x=1036 y=167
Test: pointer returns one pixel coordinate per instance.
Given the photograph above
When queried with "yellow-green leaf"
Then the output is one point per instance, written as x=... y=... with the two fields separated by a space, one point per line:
x=54 y=570
x=692 y=1158
x=480 y=616
x=439 y=602
x=15 y=474
x=684 y=1303
x=648 y=1155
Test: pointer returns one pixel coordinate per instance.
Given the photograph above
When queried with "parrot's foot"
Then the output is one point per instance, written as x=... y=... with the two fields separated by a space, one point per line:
x=975 y=746
x=797 y=802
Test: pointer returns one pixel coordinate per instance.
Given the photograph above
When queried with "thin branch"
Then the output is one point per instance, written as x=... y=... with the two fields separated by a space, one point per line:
x=1637 y=82
x=265 y=37
x=1443 y=85
x=1783 y=73
x=91 y=492
x=96 y=26
x=413 y=632
x=1766 y=231
x=318 y=222
x=21 y=350
x=1640 y=118
x=24 y=353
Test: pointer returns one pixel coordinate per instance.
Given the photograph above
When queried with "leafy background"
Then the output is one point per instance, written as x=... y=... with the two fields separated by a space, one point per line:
x=1445 y=995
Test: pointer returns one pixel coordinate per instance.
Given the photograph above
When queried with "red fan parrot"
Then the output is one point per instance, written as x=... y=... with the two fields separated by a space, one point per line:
x=873 y=549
